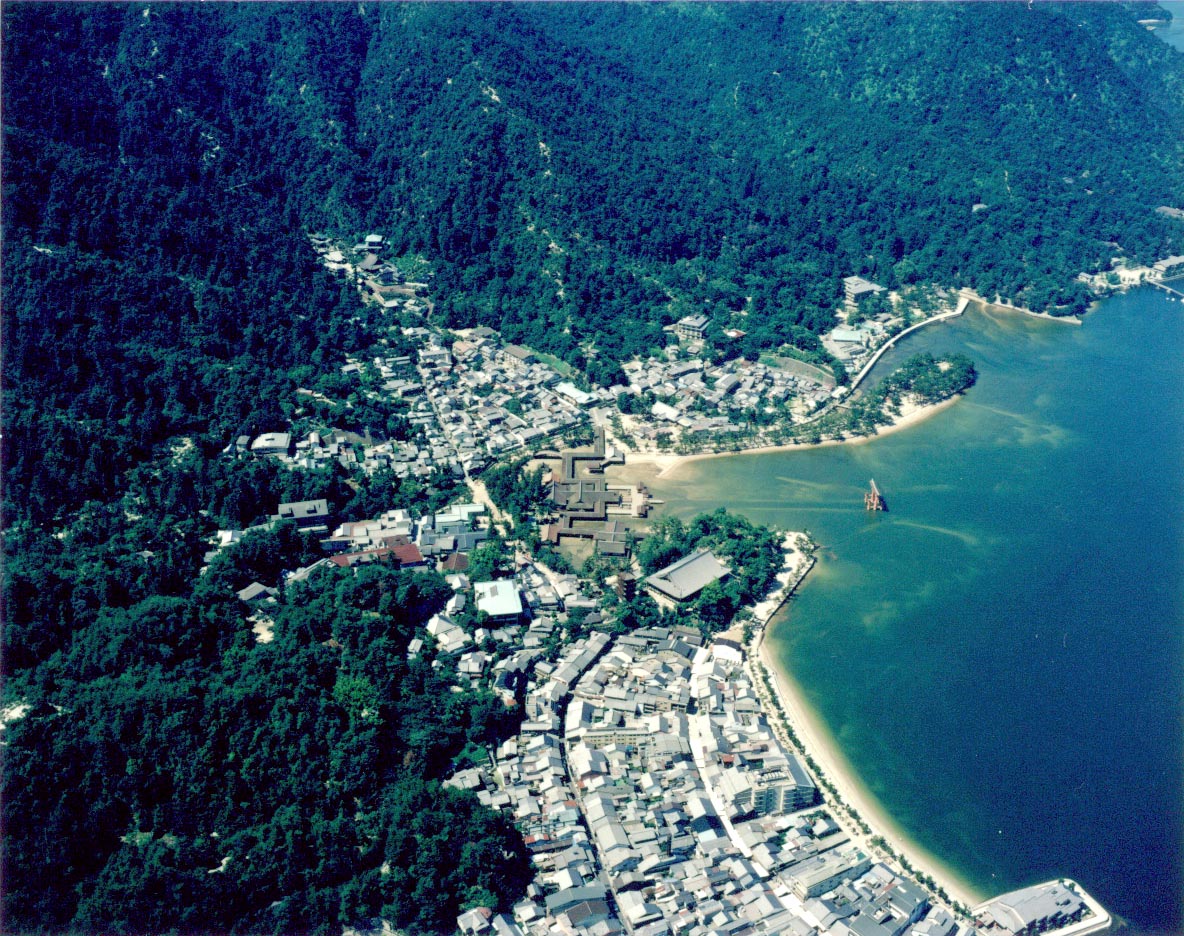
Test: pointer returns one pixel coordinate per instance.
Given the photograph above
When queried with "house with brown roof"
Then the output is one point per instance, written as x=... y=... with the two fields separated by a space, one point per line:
x=407 y=555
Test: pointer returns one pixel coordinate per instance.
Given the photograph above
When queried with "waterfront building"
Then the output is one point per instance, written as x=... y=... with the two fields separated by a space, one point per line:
x=815 y=876
x=781 y=786
x=1031 y=910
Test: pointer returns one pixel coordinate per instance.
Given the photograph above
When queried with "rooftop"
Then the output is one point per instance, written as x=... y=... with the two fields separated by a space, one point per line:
x=857 y=285
x=689 y=576
x=498 y=599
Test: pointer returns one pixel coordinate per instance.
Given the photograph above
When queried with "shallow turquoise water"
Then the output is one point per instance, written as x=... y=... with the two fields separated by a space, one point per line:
x=999 y=655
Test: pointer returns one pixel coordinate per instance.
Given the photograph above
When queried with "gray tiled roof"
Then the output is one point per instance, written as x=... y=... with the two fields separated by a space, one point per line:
x=689 y=576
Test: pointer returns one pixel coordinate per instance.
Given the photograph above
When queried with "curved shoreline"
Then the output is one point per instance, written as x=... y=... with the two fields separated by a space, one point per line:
x=803 y=720
x=668 y=463
x=970 y=294
x=851 y=794
x=815 y=740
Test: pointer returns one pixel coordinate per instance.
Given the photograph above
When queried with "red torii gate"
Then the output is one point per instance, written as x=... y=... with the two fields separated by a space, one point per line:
x=873 y=500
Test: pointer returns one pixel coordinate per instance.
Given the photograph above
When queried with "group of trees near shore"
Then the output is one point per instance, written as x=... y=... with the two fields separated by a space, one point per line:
x=922 y=380
x=752 y=553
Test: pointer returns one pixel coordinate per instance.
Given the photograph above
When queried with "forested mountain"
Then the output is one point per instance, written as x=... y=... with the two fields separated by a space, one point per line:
x=576 y=175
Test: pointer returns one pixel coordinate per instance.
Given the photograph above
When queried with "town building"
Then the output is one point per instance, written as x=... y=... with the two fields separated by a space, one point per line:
x=777 y=787
x=405 y=555
x=692 y=327
x=518 y=358
x=856 y=289
x=1031 y=910
x=310 y=516
x=500 y=600
x=684 y=579
x=272 y=443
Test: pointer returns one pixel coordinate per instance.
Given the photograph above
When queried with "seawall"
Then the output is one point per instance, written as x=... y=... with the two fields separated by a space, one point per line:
x=963 y=301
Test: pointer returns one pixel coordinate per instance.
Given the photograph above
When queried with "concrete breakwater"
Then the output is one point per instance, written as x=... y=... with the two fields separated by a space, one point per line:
x=963 y=301
x=798 y=563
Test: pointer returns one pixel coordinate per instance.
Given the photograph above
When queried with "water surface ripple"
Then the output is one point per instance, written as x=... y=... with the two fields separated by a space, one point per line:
x=999 y=655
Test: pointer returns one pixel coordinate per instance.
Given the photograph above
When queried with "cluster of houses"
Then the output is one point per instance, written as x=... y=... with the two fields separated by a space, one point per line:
x=421 y=458
x=492 y=399
x=519 y=617
x=473 y=398
x=441 y=540
x=694 y=396
x=438 y=537
x=649 y=788
x=380 y=279
x=500 y=651
x=469 y=404
x=655 y=800
x=426 y=452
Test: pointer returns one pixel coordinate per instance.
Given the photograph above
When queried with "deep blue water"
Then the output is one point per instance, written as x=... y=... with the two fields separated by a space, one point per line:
x=1000 y=655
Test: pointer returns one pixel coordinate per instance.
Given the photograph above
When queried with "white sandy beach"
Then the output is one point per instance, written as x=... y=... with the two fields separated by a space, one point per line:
x=668 y=463
x=819 y=744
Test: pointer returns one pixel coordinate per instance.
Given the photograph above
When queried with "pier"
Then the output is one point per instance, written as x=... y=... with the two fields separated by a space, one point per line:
x=1161 y=284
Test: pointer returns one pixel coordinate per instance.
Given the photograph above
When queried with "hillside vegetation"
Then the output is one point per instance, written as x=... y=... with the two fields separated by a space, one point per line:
x=576 y=175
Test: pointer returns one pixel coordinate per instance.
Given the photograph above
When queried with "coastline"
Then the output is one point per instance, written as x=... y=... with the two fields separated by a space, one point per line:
x=668 y=463
x=811 y=730
x=998 y=303
x=817 y=743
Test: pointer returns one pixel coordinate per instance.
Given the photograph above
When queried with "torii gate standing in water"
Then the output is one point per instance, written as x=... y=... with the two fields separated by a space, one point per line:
x=873 y=500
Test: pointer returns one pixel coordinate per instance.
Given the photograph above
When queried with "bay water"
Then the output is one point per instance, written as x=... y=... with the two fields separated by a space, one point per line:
x=999 y=655
x=1173 y=33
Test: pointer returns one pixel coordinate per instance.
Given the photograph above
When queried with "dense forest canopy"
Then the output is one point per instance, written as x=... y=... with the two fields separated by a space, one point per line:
x=576 y=175
x=172 y=775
